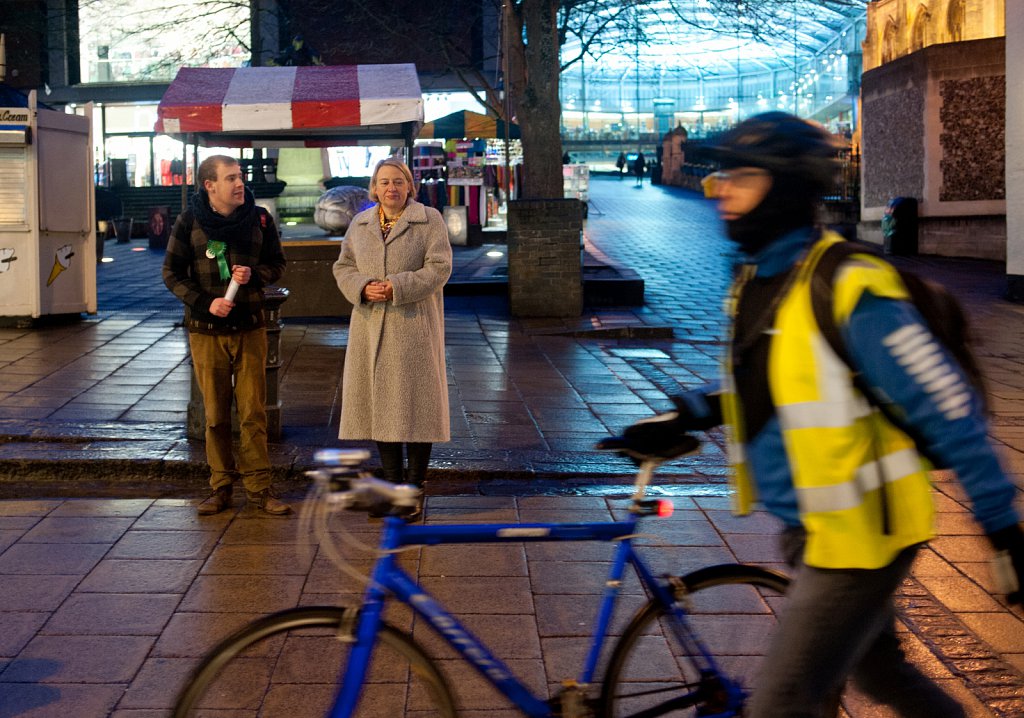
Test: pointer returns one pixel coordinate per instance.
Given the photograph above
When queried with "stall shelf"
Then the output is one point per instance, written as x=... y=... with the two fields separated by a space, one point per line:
x=476 y=169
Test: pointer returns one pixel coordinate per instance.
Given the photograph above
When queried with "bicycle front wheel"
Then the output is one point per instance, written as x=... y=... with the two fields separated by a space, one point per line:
x=731 y=608
x=290 y=664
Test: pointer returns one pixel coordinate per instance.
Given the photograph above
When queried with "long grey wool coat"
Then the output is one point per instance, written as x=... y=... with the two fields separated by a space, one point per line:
x=394 y=386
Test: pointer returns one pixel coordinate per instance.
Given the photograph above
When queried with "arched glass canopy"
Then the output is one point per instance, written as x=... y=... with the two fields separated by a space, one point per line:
x=706 y=64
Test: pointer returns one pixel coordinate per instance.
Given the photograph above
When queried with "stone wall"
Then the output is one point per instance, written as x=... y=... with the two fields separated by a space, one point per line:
x=978 y=237
x=892 y=144
x=545 y=277
x=973 y=117
x=933 y=129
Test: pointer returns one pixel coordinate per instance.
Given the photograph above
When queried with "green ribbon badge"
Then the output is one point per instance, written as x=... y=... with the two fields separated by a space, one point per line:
x=215 y=249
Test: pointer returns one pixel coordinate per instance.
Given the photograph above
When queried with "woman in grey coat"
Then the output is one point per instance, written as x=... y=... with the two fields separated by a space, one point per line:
x=393 y=266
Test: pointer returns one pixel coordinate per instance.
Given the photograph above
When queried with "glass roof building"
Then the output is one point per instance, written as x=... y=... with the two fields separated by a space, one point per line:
x=706 y=64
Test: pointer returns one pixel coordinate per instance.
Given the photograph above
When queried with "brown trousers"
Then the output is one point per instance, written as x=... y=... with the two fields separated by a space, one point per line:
x=234 y=366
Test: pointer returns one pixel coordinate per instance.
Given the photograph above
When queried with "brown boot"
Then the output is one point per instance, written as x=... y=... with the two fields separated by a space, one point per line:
x=216 y=502
x=268 y=503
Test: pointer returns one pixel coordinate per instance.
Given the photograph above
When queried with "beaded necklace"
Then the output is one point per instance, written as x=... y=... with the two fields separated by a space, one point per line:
x=386 y=224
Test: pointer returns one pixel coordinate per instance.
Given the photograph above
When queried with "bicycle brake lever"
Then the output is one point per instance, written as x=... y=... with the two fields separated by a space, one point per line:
x=399 y=495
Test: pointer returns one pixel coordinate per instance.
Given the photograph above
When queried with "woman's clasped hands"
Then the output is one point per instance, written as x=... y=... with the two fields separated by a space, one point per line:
x=378 y=291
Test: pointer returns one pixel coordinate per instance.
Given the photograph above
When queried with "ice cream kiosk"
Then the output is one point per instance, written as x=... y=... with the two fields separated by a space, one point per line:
x=47 y=212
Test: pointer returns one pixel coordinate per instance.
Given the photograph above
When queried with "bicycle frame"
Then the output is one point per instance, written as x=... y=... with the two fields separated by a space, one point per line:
x=387 y=577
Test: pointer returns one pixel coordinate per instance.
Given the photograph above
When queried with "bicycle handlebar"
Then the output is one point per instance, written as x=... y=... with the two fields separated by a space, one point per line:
x=368 y=494
x=345 y=484
x=348 y=486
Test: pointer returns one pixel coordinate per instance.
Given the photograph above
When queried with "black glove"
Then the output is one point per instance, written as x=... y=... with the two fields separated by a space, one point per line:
x=663 y=436
x=695 y=411
x=1008 y=565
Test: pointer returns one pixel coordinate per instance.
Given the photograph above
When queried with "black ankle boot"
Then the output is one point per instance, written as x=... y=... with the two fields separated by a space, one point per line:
x=390 y=461
x=419 y=459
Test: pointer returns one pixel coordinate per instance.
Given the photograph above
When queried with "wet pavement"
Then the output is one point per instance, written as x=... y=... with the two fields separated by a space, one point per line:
x=96 y=408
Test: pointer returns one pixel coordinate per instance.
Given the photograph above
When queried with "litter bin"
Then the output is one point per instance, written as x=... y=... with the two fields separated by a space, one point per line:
x=123 y=229
x=108 y=206
x=899 y=226
x=159 y=227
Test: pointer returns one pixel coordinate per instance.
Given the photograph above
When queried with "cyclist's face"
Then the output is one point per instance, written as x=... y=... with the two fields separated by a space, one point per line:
x=739 y=190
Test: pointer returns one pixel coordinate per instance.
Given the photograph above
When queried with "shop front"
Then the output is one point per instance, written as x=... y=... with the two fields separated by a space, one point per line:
x=462 y=170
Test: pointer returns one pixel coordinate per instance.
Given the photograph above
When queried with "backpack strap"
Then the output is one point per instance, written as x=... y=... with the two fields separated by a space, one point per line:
x=823 y=298
x=822 y=305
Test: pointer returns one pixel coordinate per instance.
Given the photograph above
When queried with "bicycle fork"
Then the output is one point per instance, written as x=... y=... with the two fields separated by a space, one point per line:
x=361 y=631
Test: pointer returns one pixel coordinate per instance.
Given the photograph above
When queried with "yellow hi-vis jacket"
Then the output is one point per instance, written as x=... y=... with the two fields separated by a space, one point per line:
x=842 y=452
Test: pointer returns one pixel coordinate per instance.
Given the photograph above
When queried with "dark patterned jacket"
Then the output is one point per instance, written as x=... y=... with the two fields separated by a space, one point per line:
x=195 y=279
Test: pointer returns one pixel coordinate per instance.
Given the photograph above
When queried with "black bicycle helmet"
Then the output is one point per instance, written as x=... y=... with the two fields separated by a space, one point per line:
x=780 y=143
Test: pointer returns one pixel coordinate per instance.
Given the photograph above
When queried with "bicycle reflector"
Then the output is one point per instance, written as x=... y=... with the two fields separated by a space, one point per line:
x=664 y=508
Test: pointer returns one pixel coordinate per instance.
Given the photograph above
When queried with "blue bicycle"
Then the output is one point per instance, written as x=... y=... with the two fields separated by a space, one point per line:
x=690 y=651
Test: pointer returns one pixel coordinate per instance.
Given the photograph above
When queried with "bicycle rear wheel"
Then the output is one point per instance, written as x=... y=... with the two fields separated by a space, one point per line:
x=730 y=607
x=290 y=664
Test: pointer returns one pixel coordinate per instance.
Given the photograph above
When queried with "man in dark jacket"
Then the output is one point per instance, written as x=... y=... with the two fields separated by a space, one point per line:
x=221 y=241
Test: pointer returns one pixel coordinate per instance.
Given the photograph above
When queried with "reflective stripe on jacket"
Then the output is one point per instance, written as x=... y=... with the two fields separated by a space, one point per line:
x=842 y=452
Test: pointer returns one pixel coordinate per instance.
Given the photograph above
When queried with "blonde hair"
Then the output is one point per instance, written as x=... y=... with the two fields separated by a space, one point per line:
x=391 y=162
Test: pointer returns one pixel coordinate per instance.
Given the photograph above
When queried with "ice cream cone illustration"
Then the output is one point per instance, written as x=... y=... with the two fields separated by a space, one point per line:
x=6 y=258
x=61 y=261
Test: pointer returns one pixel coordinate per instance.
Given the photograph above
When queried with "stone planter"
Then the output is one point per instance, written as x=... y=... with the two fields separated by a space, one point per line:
x=545 y=274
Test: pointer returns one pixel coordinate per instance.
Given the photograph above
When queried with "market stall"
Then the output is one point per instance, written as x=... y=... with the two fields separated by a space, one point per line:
x=317 y=106
x=460 y=164
x=47 y=210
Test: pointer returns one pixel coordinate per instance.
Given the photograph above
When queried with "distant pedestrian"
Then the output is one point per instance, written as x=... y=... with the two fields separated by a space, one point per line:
x=566 y=159
x=393 y=266
x=638 y=169
x=224 y=236
x=621 y=164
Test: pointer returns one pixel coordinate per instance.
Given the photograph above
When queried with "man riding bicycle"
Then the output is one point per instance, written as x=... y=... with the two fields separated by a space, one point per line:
x=849 y=483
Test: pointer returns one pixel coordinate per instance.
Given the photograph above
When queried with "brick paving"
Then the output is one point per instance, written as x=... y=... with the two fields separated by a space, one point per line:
x=112 y=587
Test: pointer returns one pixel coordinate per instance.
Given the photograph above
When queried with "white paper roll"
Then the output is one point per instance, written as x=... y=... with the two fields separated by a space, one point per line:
x=232 y=290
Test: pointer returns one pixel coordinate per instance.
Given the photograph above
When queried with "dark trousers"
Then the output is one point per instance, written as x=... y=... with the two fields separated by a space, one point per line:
x=418 y=455
x=839 y=624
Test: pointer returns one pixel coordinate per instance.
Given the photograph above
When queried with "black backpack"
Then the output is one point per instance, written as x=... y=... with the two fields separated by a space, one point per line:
x=941 y=311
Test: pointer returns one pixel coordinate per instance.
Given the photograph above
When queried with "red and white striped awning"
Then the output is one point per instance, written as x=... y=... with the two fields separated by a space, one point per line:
x=292 y=106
